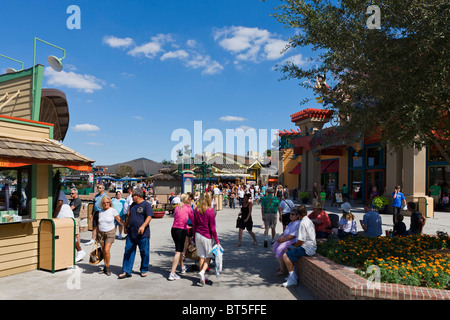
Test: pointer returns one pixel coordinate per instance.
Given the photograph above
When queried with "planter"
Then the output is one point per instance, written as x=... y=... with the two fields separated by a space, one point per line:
x=304 y=200
x=158 y=214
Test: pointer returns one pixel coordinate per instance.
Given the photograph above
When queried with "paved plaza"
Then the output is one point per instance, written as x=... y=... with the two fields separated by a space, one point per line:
x=248 y=271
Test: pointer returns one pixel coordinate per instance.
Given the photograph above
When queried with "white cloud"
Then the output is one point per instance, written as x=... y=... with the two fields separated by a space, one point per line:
x=245 y=128
x=97 y=144
x=250 y=44
x=86 y=127
x=81 y=82
x=297 y=60
x=178 y=54
x=138 y=117
x=191 y=43
x=231 y=118
x=116 y=42
x=206 y=63
x=189 y=56
x=152 y=48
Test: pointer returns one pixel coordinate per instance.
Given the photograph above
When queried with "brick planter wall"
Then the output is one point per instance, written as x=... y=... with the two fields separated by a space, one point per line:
x=328 y=280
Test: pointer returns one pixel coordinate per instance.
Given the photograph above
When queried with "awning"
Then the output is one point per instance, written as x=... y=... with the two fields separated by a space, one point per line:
x=297 y=169
x=17 y=151
x=329 y=165
x=241 y=175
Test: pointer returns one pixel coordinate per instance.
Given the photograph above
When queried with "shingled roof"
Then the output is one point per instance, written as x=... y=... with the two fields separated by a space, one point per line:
x=38 y=150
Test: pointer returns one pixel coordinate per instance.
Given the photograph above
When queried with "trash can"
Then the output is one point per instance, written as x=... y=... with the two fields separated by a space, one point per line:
x=426 y=206
x=56 y=244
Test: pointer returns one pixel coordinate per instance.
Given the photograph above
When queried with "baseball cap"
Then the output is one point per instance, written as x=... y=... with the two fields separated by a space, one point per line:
x=346 y=207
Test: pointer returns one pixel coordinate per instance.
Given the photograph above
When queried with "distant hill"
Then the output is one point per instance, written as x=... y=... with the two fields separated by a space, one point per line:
x=141 y=166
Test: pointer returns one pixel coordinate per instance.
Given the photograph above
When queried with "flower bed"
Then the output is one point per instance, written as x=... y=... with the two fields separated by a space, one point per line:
x=412 y=260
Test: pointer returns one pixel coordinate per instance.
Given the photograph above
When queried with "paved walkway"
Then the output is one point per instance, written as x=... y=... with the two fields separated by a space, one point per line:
x=248 y=271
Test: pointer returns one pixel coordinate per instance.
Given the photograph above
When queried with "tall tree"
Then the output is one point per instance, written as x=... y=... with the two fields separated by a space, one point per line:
x=386 y=64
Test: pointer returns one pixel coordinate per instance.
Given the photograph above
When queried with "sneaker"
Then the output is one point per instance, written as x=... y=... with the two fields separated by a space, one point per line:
x=183 y=270
x=291 y=282
x=202 y=278
x=89 y=243
x=173 y=276
x=80 y=255
x=265 y=244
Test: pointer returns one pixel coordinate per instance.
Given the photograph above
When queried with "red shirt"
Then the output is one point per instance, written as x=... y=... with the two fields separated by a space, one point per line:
x=325 y=225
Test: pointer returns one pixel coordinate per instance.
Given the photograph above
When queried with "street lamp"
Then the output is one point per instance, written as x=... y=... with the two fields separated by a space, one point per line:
x=54 y=62
x=12 y=70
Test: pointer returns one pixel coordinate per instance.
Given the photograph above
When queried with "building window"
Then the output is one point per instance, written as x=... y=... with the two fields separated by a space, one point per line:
x=355 y=188
x=441 y=175
x=356 y=158
x=374 y=156
x=15 y=194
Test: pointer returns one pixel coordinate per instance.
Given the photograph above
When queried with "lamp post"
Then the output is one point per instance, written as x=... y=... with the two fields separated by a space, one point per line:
x=12 y=70
x=54 y=62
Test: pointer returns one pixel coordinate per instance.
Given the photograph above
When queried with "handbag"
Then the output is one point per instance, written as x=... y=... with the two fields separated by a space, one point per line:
x=191 y=252
x=96 y=255
x=238 y=222
x=239 y=219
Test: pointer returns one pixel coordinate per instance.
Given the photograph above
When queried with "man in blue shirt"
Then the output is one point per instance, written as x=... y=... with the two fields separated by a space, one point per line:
x=371 y=222
x=397 y=199
x=138 y=230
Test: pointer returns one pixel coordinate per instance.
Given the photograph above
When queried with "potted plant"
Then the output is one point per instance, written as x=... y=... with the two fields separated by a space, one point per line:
x=158 y=213
x=304 y=195
x=381 y=203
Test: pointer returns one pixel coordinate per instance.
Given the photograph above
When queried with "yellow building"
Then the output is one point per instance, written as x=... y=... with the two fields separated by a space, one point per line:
x=329 y=157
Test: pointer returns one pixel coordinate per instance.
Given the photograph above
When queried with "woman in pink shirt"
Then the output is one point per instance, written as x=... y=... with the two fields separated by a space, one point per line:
x=179 y=230
x=204 y=230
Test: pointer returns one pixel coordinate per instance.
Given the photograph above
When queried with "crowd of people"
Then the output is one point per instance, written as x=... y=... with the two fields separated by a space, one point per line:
x=194 y=222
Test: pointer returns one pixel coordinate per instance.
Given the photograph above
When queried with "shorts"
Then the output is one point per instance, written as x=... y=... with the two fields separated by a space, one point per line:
x=246 y=225
x=204 y=246
x=296 y=254
x=77 y=225
x=270 y=220
x=106 y=237
x=179 y=237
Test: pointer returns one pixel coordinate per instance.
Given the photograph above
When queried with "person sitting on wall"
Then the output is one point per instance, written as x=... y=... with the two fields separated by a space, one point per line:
x=417 y=220
x=321 y=220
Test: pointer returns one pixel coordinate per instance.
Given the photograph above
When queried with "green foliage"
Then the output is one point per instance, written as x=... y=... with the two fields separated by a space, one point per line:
x=303 y=195
x=394 y=79
x=411 y=260
x=380 y=202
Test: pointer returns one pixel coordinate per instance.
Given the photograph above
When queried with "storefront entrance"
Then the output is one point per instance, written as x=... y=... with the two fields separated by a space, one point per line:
x=375 y=178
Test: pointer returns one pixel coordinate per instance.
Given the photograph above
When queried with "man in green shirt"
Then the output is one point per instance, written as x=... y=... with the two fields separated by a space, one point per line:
x=269 y=209
x=435 y=193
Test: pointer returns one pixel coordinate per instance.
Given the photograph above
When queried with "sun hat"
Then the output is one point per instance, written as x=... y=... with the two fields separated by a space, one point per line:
x=346 y=207
x=317 y=205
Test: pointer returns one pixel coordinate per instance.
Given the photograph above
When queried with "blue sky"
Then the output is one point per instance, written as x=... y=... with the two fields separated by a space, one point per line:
x=138 y=70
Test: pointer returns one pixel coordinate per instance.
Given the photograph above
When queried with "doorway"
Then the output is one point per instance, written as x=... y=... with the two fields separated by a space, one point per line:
x=375 y=178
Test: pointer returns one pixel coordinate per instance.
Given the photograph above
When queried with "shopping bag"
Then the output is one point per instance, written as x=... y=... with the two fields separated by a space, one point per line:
x=217 y=250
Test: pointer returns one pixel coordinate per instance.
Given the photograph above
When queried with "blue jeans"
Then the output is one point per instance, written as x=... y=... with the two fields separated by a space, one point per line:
x=130 y=253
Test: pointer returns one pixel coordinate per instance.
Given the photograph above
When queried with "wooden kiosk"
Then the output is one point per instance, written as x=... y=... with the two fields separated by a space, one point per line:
x=33 y=123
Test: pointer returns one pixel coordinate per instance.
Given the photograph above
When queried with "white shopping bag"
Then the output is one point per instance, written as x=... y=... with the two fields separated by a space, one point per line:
x=217 y=250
